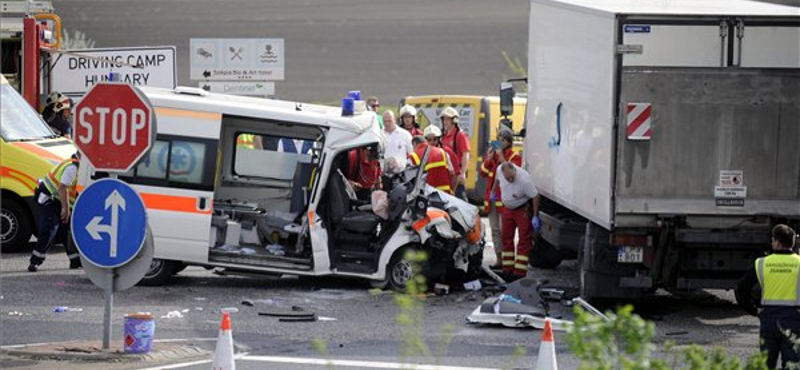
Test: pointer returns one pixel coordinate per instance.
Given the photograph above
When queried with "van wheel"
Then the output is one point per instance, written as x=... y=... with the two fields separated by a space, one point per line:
x=159 y=273
x=400 y=270
x=16 y=226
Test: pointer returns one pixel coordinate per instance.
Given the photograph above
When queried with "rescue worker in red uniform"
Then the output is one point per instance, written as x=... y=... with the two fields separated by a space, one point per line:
x=55 y=196
x=492 y=204
x=521 y=202
x=440 y=171
x=364 y=172
x=408 y=120
x=458 y=142
x=434 y=137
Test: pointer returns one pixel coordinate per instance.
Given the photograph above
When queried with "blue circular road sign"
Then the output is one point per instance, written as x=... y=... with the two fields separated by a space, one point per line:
x=109 y=223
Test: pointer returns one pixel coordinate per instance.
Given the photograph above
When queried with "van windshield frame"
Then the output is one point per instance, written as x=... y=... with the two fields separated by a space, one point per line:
x=20 y=121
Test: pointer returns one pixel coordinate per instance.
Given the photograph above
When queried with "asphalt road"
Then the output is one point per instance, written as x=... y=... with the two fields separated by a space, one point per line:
x=365 y=326
x=387 y=48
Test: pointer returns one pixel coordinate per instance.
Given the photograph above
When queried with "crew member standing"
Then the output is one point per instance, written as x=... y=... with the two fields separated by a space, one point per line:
x=408 y=120
x=57 y=112
x=458 y=142
x=398 y=140
x=55 y=195
x=434 y=137
x=438 y=167
x=521 y=202
x=778 y=275
x=492 y=204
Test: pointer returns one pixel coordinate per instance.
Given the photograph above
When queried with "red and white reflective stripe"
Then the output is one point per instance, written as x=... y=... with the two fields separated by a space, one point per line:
x=639 y=121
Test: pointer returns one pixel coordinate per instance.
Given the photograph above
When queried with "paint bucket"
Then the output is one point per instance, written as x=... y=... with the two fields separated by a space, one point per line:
x=138 y=332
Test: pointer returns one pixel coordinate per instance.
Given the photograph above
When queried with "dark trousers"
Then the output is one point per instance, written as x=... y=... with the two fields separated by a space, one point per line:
x=775 y=344
x=461 y=192
x=51 y=231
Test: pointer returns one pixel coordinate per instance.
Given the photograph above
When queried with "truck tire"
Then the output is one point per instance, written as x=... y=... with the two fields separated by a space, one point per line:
x=544 y=255
x=160 y=272
x=16 y=225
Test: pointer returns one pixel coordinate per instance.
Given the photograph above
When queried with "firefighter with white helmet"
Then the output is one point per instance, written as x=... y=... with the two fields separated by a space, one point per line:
x=57 y=113
x=408 y=120
x=458 y=142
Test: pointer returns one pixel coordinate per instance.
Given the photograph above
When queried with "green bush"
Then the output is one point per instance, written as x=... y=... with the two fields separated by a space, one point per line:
x=624 y=342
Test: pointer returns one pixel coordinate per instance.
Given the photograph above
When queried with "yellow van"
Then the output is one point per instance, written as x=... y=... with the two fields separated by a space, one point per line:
x=480 y=120
x=28 y=150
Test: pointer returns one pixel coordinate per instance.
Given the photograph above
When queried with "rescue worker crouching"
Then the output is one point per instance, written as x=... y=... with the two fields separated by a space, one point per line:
x=777 y=274
x=492 y=204
x=55 y=196
x=438 y=168
x=364 y=171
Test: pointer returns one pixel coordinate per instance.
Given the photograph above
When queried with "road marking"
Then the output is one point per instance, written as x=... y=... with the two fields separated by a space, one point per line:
x=352 y=363
x=175 y=340
x=323 y=362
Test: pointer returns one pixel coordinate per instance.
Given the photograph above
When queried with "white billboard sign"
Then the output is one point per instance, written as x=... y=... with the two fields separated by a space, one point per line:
x=76 y=71
x=236 y=59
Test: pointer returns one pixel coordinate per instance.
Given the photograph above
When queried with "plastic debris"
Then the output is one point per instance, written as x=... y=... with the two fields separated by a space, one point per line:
x=229 y=309
x=15 y=313
x=441 y=289
x=325 y=318
x=276 y=249
x=185 y=310
x=247 y=303
x=173 y=315
x=67 y=309
x=473 y=285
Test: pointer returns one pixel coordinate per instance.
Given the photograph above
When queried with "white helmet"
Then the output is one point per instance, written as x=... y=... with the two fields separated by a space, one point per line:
x=432 y=130
x=407 y=109
x=451 y=113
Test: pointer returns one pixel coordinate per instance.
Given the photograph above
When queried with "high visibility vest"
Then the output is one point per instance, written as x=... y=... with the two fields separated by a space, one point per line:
x=778 y=276
x=437 y=169
x=53 y=180
x=246 y=141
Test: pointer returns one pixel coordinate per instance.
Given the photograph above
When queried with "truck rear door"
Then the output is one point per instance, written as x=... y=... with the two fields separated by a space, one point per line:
x=708 y=113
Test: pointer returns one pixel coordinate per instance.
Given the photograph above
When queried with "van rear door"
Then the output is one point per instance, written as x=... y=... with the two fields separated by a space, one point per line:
x=176 y=182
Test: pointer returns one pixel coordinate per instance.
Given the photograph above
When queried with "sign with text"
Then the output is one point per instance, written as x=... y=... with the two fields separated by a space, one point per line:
x=245 y=88
x=236 y=59
x=74 y=74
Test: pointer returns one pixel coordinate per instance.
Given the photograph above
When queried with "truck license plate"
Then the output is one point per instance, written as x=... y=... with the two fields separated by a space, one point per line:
x=630 y=254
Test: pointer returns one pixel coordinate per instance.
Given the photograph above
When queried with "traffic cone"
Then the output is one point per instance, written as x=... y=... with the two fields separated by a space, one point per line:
x=547 y=350
x=223 y=355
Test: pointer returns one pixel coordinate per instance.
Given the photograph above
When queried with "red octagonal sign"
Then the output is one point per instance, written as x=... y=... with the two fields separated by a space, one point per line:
x=114 y=126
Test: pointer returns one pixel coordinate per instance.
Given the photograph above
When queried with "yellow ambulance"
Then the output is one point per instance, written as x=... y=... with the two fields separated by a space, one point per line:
x=479 y=118
x=28 y=150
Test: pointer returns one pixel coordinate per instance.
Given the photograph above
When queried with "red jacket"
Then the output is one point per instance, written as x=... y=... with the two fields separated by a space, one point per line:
x=362 y=170
x=489 y=171
x=437 y=169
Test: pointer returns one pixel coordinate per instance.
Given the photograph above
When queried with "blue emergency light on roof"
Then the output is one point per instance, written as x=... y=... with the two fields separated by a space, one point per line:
x=355 y=94
x=348 y=105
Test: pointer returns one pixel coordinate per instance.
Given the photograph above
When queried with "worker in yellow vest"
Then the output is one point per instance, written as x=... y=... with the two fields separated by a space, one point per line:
x=55 y=196
x=249 y=141
x=779 y=313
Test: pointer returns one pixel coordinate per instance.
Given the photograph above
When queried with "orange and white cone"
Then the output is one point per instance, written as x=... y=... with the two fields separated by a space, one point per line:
x=223 y=355
x=547 y=350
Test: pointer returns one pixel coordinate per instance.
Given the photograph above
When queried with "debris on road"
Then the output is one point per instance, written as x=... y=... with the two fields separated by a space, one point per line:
x=474 y=285
x=441 y=289
x=248 y=303
x=67 y=309
x=173 y=315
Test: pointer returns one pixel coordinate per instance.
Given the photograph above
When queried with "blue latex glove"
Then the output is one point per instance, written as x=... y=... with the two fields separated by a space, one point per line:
x=493 y=197
x=537 y=225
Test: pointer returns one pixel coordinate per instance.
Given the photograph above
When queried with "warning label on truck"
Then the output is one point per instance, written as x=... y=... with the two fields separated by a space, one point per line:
x=730 y=191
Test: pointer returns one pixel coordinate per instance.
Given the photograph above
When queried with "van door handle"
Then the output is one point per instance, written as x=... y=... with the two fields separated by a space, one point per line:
x=202 y=203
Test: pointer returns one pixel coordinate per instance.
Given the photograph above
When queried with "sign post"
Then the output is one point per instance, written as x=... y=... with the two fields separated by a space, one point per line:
x=114 y=129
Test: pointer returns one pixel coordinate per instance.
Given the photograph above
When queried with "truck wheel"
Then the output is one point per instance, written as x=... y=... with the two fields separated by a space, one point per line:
x=544 y=255
x=159 y=273
x=16 y=227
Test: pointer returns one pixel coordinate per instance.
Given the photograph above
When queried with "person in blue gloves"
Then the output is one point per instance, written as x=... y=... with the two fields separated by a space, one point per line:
x=520 y=212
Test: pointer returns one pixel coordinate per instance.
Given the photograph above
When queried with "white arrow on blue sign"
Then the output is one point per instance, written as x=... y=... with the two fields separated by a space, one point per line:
x=109 y=223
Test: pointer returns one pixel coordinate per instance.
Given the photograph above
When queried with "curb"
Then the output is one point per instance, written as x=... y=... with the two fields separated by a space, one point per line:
x=92 y=352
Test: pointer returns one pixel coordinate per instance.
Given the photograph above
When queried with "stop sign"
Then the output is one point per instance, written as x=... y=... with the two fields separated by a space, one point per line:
x=114 y=126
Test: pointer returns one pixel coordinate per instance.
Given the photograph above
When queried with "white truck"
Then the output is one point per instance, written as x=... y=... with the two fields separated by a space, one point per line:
x=664 y=137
